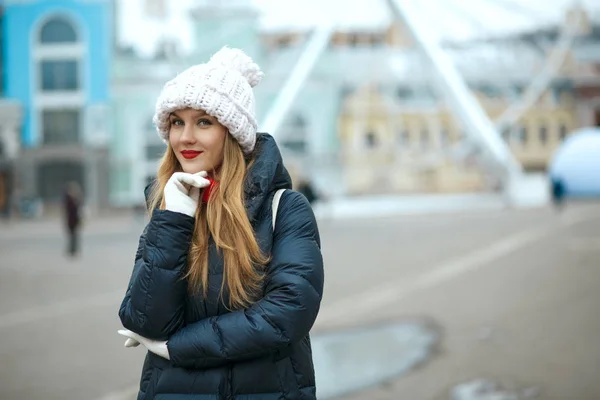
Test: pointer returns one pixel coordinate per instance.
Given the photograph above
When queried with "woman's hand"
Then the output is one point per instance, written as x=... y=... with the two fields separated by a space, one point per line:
x=155 y=346
x=183 y=190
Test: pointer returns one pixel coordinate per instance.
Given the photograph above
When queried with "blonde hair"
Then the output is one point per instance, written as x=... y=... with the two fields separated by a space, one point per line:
x=224 y=219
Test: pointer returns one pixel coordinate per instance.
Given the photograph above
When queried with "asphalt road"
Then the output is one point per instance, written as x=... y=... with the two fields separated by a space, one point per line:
x=514 y=294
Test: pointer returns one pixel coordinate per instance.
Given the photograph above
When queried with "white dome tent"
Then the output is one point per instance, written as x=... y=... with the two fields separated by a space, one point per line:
x=577 y=164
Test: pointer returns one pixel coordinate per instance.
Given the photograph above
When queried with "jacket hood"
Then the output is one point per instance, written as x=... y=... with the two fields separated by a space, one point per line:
x=266 y=175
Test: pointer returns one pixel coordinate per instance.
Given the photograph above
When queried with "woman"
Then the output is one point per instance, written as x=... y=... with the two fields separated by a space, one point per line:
x=223 y=300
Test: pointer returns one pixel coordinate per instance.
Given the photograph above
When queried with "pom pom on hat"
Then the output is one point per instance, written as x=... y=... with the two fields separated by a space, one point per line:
x=238 y=60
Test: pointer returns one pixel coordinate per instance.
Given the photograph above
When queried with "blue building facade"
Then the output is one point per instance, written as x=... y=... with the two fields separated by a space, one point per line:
x=56 y=65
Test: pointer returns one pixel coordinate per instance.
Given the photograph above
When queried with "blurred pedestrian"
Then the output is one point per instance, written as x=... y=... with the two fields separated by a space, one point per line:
x=222 y=294
x=558 y=193
x=72 y=215
x=305 y=187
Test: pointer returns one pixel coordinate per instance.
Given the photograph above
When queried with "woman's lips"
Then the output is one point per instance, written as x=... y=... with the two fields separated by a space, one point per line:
x=189 y=154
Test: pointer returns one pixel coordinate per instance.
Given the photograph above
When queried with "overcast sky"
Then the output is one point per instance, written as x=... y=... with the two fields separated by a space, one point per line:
x=452 y=19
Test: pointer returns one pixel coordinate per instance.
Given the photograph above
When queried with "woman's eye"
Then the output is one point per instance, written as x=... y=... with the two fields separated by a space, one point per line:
x=177 y=122
x=204 y=122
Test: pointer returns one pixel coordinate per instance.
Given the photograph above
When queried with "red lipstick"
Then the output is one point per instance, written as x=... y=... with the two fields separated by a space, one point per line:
x=189 y=154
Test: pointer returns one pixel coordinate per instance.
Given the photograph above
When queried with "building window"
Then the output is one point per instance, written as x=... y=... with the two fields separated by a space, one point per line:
x=58 y=30
x=298 y=122
x=61 y=126
x=371 y=140
x=346 y=91
x=488 y=91
x=424 y=138
x=562 y=132
x=154 y=148
x=284 y=41
x=294 y=138
x=402 y=138
x=518 y=90
x=53 y=176
x=155 y=151
x=444 y=138
x=377 y=39
x=353 y=40
x=523 y=135
x=59 y=75
x=404 y=93
x=155 y=9
x=543 y=135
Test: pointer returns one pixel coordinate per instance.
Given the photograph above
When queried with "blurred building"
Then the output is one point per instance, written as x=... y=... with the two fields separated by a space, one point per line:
x=367 y=120
x=10 y=128
x=396 y=135
x=57 y=57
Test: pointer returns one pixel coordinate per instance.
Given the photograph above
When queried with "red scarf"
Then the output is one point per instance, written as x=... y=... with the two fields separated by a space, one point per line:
x=209 y=189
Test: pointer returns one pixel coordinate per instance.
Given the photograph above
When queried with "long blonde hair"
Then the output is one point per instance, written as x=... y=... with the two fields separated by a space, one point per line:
x=224 y=219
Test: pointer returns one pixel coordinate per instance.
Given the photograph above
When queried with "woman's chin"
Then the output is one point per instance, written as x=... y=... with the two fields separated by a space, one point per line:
x=192 y=167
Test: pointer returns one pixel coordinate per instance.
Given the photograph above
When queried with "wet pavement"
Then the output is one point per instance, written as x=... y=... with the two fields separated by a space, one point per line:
x=347 y=360
x=414 y=307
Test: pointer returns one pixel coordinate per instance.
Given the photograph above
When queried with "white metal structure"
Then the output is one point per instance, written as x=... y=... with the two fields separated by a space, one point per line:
x=541 y=82
x=309 y=57
x=460 y=98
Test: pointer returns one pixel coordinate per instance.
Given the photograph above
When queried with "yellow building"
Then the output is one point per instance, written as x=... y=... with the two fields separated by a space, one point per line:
x=390 y=146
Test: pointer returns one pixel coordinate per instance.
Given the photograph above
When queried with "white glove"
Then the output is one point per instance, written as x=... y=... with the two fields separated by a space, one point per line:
x=178 y=197
x=155 y=346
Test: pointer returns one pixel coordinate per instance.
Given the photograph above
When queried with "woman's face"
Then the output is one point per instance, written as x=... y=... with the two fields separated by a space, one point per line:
x=197 y=140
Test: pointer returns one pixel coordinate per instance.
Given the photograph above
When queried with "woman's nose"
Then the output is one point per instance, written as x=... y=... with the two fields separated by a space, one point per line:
x=188 y=134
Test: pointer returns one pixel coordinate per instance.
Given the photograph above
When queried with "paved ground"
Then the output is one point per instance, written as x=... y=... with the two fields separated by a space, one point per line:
x=514 y=294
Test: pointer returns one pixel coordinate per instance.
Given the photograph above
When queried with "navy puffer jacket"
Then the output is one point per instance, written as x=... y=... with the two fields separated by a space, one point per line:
x=262 y=352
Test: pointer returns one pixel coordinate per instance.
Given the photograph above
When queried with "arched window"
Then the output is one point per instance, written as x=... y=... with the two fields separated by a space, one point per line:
x=57 y=30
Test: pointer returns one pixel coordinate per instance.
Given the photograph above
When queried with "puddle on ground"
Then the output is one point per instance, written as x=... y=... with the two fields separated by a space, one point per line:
x=483 y=389
x=350 y=360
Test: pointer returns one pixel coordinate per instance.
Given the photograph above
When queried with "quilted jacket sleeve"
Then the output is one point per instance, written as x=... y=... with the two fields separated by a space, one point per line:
x=153 y=303
x=284 y=315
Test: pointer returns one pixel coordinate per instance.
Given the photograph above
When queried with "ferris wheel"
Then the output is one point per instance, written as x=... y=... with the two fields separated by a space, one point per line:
x=445 y=31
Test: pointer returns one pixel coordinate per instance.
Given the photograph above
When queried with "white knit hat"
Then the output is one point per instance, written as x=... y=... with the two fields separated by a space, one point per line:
x=222 y=88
